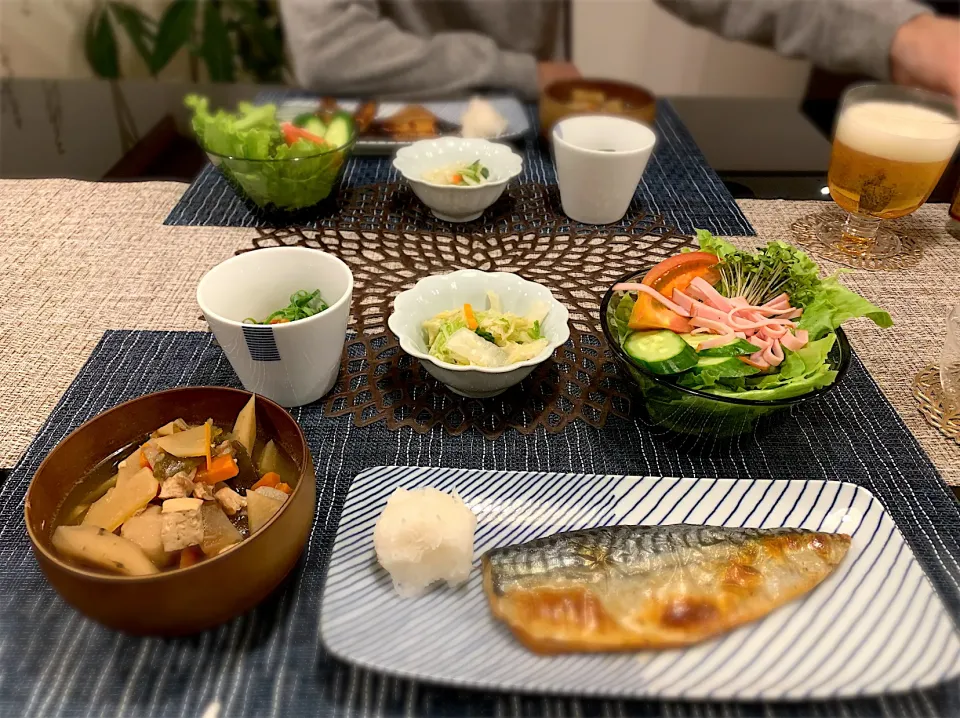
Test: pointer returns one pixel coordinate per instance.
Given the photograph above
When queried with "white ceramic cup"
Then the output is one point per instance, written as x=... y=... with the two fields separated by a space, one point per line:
x=294 y=363
x=600 y=160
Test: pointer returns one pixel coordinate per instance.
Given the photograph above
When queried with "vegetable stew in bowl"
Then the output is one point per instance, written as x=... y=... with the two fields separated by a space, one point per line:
x=201 y=507
x=187 y=493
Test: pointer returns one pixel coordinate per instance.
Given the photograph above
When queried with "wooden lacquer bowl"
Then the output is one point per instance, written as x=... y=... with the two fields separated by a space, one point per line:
x=182 y=600
x=555 y=101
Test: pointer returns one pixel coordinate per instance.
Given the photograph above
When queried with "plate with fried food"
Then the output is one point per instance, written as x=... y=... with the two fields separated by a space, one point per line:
x=383 y=127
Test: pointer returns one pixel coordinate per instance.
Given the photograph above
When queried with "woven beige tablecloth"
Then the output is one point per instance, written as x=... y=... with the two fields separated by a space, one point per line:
x=79 y=258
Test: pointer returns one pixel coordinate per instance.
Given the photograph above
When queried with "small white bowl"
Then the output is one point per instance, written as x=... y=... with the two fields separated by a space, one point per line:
x=442 y=292
x=453 y=203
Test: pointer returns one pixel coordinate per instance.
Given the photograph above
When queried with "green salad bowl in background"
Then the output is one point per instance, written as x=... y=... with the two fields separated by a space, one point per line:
x=287 y=184
x=691 y=412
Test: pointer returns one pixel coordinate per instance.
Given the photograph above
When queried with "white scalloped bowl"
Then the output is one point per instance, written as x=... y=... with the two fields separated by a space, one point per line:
x=453 y=203
x=442 y=292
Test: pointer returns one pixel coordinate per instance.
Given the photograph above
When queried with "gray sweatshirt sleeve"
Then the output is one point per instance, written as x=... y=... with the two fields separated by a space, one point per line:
x=851 y=36
x=344 y=47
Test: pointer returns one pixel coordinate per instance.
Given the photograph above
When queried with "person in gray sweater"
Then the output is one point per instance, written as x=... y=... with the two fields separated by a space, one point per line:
x=433 y=48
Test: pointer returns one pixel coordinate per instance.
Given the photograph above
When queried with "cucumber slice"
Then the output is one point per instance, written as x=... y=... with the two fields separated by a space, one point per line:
x=738 y=348
x=315 y=126
x=303 y=118
x=340 y=130
x=661 y=351
x=724 y=367
x=694 y=340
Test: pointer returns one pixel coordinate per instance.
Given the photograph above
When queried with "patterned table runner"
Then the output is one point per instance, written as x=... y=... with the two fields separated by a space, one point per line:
x=678 y=184
x=55 y=663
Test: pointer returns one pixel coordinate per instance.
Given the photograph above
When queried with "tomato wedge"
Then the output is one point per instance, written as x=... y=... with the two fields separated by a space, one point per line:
x=675 y=272
x=292 y=133
x=678 y=271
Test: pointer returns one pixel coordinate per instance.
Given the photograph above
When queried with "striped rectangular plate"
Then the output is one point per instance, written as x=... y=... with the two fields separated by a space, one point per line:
x=874 y=626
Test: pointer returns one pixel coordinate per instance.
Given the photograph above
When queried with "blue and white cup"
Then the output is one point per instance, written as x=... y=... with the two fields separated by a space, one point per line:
x=294 y=363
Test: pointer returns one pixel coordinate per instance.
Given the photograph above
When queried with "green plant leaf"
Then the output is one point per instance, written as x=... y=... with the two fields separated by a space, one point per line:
x=138 y=27
x=216 y=48
x=173 y=33
x=259 y=38
x=100 y=46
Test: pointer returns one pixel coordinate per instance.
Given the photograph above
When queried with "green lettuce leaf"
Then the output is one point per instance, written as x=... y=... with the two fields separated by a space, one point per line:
x=618 y=315
x=715 y=245
x=251 y=133
x=833 y=304
x=784 y=390
x=713 y=375
x=801 y=372
x=258 y=160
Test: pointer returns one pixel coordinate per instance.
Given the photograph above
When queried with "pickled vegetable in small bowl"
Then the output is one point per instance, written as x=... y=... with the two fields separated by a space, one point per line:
x=428 y=317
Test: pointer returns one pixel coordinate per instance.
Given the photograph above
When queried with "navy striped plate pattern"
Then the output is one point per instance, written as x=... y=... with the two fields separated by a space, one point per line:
x=271 y=662
x=874 y=626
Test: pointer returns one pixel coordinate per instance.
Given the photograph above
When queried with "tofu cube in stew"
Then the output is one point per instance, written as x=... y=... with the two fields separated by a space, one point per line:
x=182 y=524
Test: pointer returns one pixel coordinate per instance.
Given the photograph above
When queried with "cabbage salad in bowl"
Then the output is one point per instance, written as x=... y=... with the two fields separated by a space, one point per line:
x=467 y=336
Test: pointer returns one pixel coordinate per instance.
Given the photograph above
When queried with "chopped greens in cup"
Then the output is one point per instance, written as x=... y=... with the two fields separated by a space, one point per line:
x=303 y=304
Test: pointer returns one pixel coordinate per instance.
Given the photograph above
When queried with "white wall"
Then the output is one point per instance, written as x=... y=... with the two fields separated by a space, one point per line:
x=637 y=41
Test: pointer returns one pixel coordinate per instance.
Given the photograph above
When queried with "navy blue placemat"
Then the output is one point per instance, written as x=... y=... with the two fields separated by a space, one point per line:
x=678 y=184
x=53 y=662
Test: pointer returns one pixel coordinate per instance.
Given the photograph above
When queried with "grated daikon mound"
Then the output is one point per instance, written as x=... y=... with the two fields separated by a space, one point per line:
x=424 y=536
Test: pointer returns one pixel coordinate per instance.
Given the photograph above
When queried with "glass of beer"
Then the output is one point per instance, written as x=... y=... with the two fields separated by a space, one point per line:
x=890 y=147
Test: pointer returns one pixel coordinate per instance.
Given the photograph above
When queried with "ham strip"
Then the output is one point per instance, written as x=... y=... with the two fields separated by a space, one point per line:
x=769 y=327
x=713 y=297
x=756 y=325
x=631 y=287
x=773 y=354
x=795 y=342
x=716 y=327
x=782 y=299
x=708 y=312
x=720 y=340
x=684 y=301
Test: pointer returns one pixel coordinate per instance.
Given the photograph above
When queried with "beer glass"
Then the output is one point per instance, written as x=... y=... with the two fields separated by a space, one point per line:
x=890 y=147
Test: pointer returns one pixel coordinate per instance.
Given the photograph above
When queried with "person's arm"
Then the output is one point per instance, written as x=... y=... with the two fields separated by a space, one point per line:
x=853 y=36
x=344 y=47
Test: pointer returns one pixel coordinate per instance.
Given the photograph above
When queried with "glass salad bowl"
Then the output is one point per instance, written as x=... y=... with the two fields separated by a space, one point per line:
x=286 y=184
x=692 y=412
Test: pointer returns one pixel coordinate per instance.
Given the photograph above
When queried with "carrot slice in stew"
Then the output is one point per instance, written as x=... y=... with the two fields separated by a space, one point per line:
x=269 y=479
x=190 y=555
x=223 y=468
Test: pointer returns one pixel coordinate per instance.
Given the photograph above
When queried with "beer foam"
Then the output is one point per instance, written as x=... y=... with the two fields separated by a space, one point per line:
x=898 y=131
